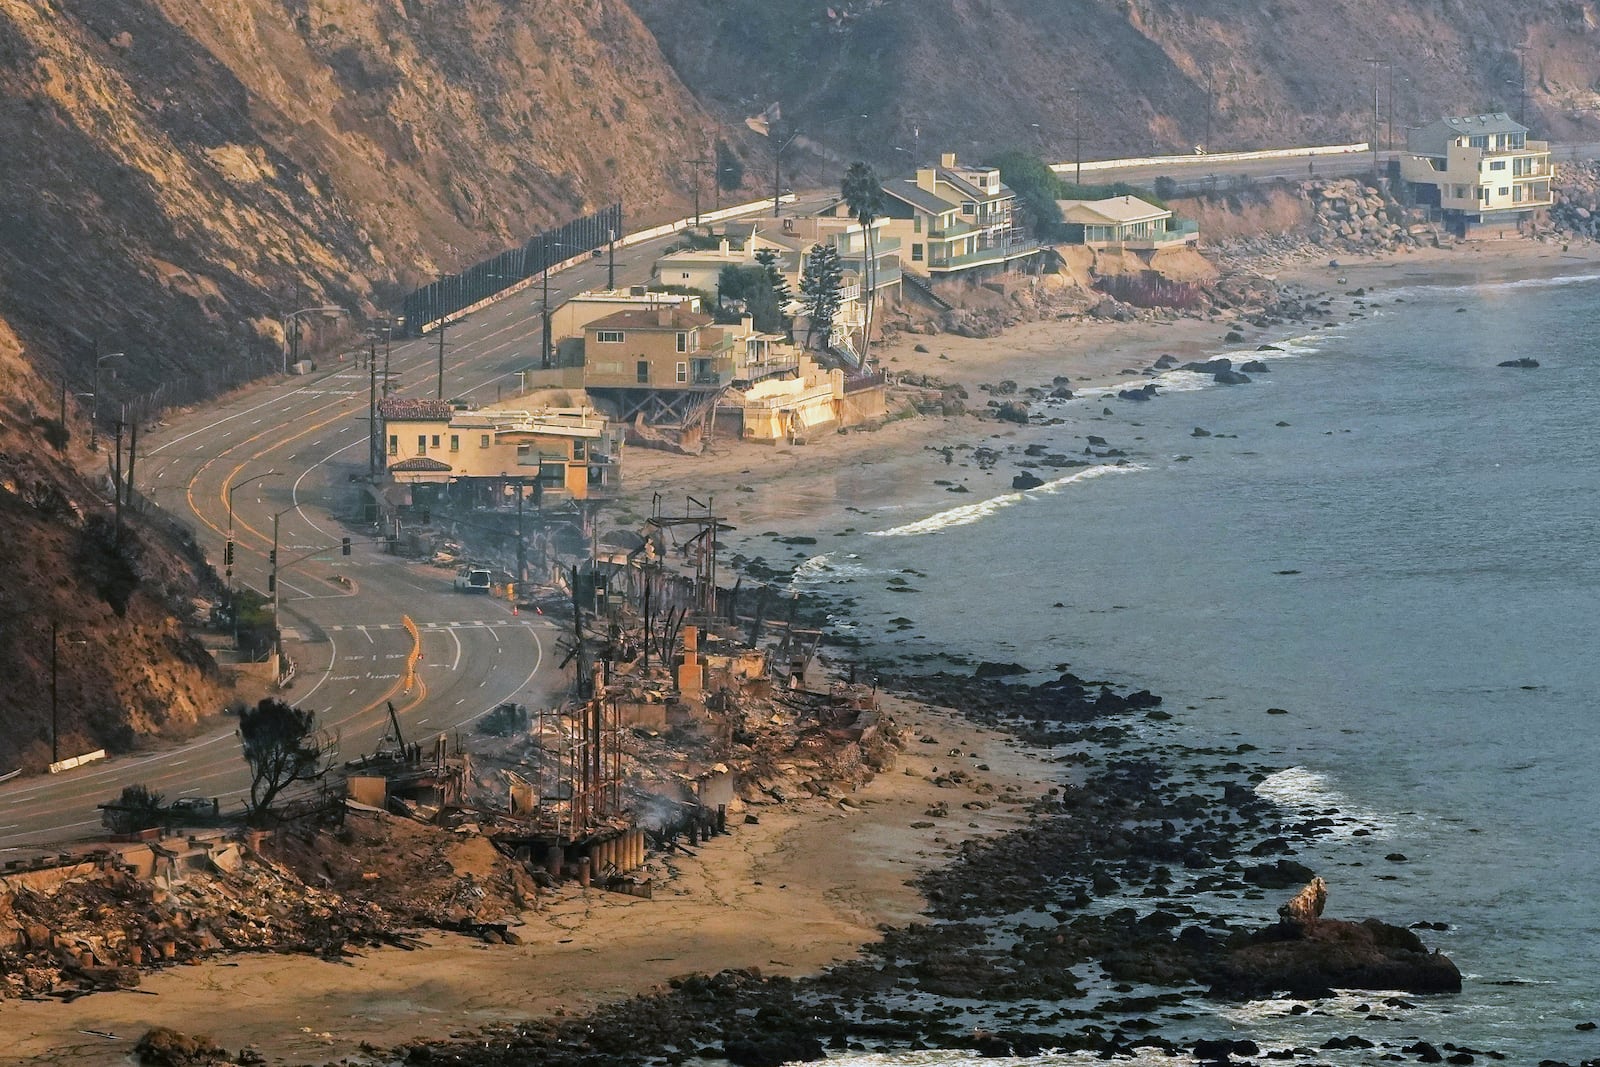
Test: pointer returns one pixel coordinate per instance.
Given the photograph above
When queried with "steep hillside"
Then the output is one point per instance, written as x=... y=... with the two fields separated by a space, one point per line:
x=179 y=174
x=1130 y=75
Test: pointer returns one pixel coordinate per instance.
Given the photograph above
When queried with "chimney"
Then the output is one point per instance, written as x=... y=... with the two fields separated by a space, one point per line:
x=927 y=178
x=947 y=160
x=664 y=316
x=722 y=246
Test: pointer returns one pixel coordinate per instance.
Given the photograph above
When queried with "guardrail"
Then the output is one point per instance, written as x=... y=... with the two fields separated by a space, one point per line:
x=77 y=761
x=1214 y=157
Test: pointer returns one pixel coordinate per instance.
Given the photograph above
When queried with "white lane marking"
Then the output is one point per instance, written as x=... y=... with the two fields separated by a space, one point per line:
x=271 y=402
x=454 y=663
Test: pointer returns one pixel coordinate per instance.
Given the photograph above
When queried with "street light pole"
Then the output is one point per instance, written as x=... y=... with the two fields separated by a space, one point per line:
x=291 y=320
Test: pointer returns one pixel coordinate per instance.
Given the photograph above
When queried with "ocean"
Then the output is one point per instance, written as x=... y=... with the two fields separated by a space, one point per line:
x=1389 y=538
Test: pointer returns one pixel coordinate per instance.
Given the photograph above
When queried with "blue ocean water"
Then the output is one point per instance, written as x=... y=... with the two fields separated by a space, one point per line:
x=1408 y=566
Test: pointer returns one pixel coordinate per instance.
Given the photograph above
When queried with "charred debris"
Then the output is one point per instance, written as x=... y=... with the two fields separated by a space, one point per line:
x=683 y=714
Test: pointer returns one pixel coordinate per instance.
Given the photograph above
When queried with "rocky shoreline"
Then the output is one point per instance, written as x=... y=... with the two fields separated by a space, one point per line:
x=1091 y=929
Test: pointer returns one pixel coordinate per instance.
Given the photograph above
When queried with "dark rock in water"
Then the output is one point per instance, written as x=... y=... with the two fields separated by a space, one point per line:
x=1142 y=393
x=1525 y=362
x=1061 y=392
x=1035 y=450
x=1230 y=377
x=1586 y=1027
x=1280 y=422
x=1424 y=1052
x=1210 y=366
x=1095 y=439
x=1279 y=875
x=1166 y=362
x=1233 y=337
x=990 y=669
x=1268 y=348
x=1277 y=711
x=1307 y=952
x=773 y=1050
x=1199 y=432
x=958 y=489
x=1254 y=366
x=1396 y=857
x=796 y=540
x=1026 y=481
x=1012 y=411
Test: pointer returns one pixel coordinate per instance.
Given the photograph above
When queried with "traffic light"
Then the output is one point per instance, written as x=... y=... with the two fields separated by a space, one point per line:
x=272 y=558
x=227 y=555
x=272 y=581
x=344 y=547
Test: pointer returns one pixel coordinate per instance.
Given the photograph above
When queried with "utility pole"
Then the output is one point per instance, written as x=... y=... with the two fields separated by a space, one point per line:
x=55 y=706
x=1077 y=131
x=388 y=332
x=698 y=174
x=440 y=390
x=133 y=448
x=1210 y=97
x=116 y=476
x=522 y=544
x=372 y=412
x=1374 y=60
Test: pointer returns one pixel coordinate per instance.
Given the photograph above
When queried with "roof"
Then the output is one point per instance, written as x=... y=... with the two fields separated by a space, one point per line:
x=1434 y=138
x=419 y=463
x=408 y=409
x=907 y=190
x=1120 y=209
x=640 y=319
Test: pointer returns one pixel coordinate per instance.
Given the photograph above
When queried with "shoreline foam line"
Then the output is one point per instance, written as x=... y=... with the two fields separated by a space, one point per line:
x=967 y=514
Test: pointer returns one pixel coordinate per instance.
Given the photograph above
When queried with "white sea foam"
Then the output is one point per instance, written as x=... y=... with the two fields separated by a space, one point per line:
x=1307 y=792
x=1557 y=282
x=829 y=568
x=967 y=514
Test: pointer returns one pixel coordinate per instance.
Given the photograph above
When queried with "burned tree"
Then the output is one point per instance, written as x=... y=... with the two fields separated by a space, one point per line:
x=282 y=746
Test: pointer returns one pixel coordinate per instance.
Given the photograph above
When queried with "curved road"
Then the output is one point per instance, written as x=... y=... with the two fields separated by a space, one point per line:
x=347 y=640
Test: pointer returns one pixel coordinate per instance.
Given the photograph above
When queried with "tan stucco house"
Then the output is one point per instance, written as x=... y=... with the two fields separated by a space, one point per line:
x=1124 y=222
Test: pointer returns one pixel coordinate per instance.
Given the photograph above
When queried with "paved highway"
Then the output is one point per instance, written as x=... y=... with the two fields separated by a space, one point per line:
x=347 y=640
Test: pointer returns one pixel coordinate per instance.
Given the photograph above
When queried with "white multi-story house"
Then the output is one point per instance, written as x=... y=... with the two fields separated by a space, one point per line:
x=1478 y=170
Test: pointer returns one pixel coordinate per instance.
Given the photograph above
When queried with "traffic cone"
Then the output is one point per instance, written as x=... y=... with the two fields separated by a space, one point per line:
x=514 y=608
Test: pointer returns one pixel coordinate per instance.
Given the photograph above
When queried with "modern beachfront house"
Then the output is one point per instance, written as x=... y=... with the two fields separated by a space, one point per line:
x=1478 y=171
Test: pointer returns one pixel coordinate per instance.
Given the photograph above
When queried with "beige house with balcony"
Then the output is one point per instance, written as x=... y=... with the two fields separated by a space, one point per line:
x=559 y=453
x=1124 y=222
x=956 y=222
x=659 y=372
x=1478 y=170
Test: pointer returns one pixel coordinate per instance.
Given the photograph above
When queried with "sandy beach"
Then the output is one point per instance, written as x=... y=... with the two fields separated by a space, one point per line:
x=812 y=880
x=806 y=885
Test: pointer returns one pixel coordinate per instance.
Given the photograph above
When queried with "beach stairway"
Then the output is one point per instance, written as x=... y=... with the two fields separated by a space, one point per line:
x=922 y=289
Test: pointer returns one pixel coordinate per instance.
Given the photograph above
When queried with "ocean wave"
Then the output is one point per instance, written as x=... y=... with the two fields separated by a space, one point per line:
x=829 y=568
x=1558 y=281
x=967 y=514
x=1308 y=792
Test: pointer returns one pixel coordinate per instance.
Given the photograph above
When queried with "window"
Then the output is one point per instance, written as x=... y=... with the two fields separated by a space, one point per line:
x=609 y=337
x=683 y=371
x=483 y=440
x=916 y=253
x=683 y=342
x=577 y=448
x=1481 y=141
x=1483 y=193
x=1461 y=192
x=684 y=275
x=916 y=224
x=969 y=207
x=422 y=444
x=435 y=440
x=641 y=372
x=1498 y=164
x=394 y=444
x=455 y=442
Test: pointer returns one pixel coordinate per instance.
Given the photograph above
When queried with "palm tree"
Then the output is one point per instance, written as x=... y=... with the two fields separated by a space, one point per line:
x=862 y=193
